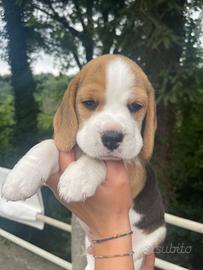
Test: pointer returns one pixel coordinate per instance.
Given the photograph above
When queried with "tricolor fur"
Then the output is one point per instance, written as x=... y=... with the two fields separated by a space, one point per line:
x=108 y=131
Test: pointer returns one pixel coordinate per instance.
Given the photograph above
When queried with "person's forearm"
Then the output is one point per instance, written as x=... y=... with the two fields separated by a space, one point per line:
x=119 y=246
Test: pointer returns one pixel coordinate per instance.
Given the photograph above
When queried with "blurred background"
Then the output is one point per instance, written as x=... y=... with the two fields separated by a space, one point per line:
x=44 y=43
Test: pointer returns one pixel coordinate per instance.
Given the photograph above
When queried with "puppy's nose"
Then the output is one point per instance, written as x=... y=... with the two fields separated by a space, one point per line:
x=111 y=139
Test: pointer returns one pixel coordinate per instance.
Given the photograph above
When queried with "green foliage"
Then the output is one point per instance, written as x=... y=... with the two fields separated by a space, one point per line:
x=50 y=90
x=187 y=167
x=164 y=38
x=184 y=86
x=6 y=122
x=186 y=175
x=5 y=87
x=49 y=93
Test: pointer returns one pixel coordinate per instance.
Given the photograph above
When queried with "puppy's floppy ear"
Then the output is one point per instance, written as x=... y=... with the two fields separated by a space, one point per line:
x=150 y=124
x=65 y=119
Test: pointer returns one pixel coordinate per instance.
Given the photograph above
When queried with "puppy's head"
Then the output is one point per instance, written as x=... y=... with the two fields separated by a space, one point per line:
x=104 y=109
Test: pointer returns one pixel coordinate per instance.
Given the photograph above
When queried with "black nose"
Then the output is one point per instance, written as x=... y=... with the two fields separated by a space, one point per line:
x=112 y=139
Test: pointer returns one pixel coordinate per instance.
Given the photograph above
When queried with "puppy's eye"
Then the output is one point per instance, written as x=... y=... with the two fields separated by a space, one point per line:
x=134 y=107
x=90 y=104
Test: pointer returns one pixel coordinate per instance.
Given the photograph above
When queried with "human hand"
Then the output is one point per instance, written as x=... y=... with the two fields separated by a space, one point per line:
x=107 y=211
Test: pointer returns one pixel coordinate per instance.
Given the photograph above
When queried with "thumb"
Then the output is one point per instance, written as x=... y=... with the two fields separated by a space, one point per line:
x=116 y=172
x=65 y=158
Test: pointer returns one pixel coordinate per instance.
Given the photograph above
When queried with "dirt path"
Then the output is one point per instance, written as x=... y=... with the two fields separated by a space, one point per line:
x=13 y=257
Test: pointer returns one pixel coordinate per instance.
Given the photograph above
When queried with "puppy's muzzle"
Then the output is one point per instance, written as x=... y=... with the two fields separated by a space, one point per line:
x=112 y=139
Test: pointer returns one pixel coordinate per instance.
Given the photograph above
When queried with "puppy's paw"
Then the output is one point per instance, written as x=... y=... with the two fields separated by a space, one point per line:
x=21 y=183
x=31 y=171
x=79 y=181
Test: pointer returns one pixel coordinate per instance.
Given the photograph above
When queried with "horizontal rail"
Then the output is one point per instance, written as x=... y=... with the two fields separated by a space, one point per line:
x=161 y=264
x=170 y=219
x=164 y=265
x=184 y=223
x=36 y=250
x=54 y=222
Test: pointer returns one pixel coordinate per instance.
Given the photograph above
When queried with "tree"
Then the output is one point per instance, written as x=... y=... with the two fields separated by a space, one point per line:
x=78 y=29
x=160 y=35
x=22 y=80
x=153 y=33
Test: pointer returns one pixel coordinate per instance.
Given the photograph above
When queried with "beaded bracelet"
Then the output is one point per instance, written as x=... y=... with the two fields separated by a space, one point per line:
x=114 y=256
x=115 y=236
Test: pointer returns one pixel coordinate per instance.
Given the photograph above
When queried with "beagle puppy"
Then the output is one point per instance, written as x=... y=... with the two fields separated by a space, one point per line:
x=107 y=113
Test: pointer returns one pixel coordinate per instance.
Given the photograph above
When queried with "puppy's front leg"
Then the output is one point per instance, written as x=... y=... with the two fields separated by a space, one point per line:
x=31 y=171
x=81 y=179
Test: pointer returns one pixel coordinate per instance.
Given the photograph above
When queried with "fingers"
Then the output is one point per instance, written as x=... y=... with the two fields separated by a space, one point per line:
x=149 y=262
x=65 y=159
x=52 y=183
x=116 y=171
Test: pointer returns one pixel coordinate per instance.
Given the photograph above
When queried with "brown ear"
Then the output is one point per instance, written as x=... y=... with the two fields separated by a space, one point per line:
x=149 y=126
x=65 y=119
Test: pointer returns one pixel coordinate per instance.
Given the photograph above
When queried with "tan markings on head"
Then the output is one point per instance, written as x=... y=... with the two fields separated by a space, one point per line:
x=140 y=97
x=144 y=91
x=93 y=86
x=90 y=91
x=150 y=125
x=65 y=119
x=89 y=82
x=137 y=176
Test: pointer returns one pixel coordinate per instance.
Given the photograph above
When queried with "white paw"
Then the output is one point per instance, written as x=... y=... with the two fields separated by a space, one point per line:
x=80 y=181
x=21 y=183
x=31 y=171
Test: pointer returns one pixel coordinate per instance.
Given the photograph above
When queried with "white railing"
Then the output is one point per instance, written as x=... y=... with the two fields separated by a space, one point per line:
x=184 y=223
x=54 y=222
x=36 y=250
x=161 y=264
x=41 y=219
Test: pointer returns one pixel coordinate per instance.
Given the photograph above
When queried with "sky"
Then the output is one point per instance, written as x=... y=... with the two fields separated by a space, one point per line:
x=45 y=63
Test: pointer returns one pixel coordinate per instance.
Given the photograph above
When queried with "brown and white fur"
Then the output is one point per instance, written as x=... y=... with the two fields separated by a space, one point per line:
x=113 y=82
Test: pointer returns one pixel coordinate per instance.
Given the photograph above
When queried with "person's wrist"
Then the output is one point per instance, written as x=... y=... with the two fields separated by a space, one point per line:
x=111 y=226
x=121 y=245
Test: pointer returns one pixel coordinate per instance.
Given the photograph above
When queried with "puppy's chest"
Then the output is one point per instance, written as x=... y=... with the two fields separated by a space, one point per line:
x=137 y=176
x=136 y=172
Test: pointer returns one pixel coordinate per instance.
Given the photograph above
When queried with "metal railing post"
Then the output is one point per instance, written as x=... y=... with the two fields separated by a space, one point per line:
x=77 y=246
